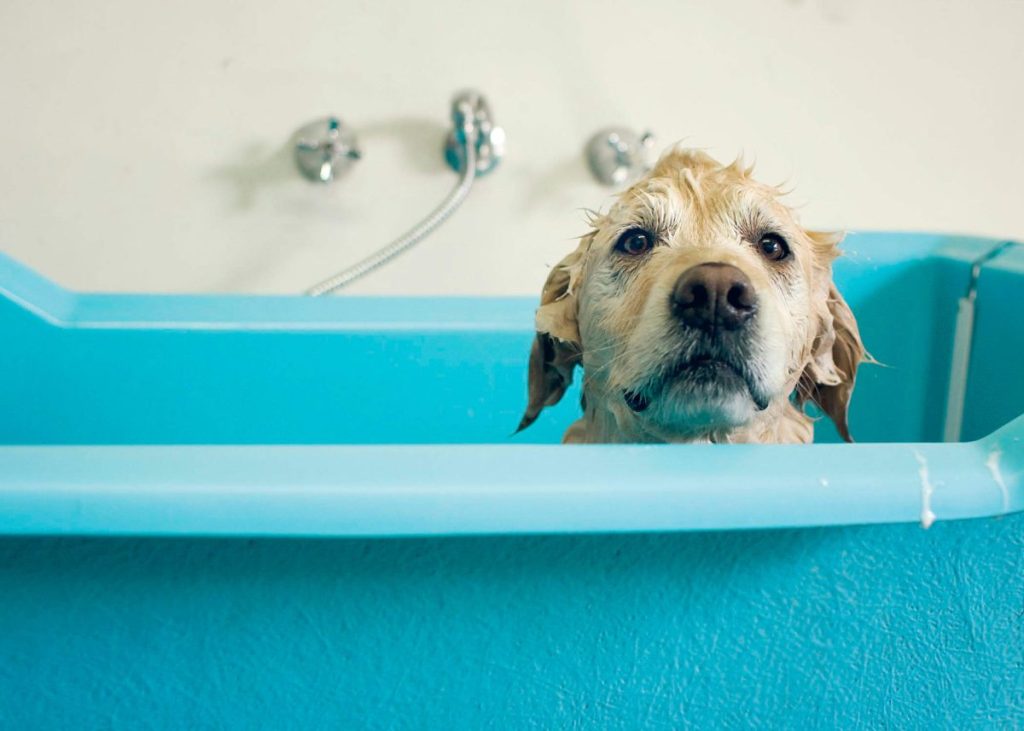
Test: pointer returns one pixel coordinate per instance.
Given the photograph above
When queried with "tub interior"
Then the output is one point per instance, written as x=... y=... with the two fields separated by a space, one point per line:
x=124 y=369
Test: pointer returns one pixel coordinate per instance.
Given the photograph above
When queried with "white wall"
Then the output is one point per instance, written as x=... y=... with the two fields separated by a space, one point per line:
x=145 y=141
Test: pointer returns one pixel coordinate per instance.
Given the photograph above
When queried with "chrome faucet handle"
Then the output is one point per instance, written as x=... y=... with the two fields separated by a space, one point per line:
x=325 y=149
x=473 y=123
x=618 y=155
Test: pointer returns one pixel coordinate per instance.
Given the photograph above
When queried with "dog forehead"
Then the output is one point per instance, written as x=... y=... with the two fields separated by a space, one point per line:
x=689 y=186
x=651 y=198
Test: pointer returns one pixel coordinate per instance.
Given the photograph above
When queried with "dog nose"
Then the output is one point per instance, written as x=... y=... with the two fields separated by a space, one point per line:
x=713 y=295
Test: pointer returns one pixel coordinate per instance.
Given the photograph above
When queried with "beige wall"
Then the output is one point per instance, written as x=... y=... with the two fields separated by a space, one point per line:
x=144 y=140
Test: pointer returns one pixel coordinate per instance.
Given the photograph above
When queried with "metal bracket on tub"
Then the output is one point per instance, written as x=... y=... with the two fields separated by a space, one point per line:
x=963 y=337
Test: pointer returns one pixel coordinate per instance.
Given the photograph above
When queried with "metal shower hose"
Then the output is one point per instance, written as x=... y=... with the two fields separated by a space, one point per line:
x=419 y=232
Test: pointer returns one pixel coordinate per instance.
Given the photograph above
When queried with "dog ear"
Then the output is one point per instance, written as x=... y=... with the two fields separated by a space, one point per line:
x=831 y=371
x=556 y=347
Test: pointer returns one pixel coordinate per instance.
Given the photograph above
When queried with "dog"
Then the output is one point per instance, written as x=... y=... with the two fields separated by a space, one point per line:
x=700 y=311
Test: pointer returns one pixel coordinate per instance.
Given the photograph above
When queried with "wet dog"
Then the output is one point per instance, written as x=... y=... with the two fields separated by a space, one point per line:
x=700 y=311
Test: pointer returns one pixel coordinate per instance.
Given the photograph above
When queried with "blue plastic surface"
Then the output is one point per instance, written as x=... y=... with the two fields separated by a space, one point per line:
x=120 y=410
x=861 y=627
x=138 y=428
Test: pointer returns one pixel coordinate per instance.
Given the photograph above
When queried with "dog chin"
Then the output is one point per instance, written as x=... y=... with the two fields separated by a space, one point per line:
x=699 y=395
x=699 y=407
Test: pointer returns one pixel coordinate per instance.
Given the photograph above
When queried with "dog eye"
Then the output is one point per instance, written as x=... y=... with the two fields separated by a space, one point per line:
x=635 y=242
x=774 y=247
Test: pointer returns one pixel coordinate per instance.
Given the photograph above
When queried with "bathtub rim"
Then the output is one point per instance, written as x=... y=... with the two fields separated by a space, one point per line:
x=421 y=490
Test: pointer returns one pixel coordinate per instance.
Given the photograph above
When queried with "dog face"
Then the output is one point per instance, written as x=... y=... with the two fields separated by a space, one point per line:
x=697 y=307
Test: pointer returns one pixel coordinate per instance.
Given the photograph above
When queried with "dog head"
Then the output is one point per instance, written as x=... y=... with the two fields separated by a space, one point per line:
x=698 y=307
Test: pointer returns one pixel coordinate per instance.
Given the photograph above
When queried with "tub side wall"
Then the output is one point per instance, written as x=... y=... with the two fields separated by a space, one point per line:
x=886 y=626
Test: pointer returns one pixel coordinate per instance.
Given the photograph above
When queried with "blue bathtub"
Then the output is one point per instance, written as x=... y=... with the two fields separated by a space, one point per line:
x=286 y=512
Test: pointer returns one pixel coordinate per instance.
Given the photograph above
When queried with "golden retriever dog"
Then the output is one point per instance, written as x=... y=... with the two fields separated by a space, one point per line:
x=700 y=311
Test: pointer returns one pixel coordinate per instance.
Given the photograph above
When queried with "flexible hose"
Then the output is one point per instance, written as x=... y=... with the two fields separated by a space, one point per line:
x=412 y=237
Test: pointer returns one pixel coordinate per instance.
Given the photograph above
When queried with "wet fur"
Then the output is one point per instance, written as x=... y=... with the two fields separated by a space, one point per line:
x=609 y=315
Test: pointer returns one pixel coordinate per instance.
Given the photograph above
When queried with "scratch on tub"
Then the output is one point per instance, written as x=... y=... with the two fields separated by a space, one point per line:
x=993 y=466
x=927 y=488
